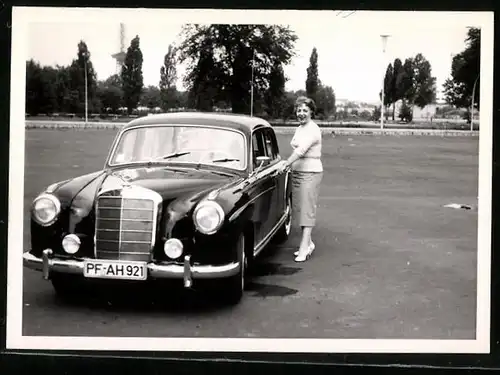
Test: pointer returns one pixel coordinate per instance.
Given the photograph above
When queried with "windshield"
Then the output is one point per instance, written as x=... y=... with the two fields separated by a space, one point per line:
x=181 y=144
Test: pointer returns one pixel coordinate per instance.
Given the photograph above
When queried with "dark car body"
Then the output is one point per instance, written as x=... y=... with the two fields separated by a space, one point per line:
x=119 y=222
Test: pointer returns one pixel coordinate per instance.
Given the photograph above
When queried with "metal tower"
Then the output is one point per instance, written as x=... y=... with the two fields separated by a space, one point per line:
x=120 y=56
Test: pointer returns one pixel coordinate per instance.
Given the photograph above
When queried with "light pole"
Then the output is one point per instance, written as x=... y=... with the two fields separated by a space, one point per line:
x=384 y=44
x=472 y=104
x=85 y=55
x=251 y=86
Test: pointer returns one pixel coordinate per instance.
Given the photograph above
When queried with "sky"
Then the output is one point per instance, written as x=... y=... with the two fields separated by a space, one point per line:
x=351 y=58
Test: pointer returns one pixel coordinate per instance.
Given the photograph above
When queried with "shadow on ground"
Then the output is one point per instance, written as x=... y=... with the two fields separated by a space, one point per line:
x=170 y=296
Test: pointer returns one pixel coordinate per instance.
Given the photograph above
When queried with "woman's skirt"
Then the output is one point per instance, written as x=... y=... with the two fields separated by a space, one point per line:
x=305 y=191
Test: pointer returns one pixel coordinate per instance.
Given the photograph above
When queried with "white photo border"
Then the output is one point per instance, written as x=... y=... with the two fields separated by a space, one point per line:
x=23 y=16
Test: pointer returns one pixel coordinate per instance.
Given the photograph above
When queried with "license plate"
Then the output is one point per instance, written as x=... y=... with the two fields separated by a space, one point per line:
x=115 y=270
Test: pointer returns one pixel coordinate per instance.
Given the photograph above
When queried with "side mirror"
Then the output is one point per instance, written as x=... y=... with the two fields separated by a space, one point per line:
x=262 y=160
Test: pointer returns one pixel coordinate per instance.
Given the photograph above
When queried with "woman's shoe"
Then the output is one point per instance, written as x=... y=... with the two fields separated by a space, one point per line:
x=310 y=249
x=303 y=258
x=312 y=246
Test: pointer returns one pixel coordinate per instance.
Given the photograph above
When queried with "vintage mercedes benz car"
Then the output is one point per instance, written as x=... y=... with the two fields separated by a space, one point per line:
x=188 y=196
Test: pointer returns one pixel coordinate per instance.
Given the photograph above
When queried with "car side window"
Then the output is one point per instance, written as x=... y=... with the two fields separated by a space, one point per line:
x=270 y=144
x=258 y=148
x=275 y=143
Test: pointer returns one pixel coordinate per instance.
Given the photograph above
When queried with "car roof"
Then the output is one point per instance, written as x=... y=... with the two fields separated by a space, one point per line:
x=239 y=122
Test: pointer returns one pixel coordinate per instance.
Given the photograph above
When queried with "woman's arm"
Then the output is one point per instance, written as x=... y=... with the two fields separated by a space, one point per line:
x=305 y=143
x=291 y=159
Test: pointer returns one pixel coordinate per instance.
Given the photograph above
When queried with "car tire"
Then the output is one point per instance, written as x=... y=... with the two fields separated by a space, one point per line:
x=285 y=229
x=235 y=285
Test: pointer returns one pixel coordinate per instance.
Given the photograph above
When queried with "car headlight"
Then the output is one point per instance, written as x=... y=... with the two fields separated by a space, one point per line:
x=45 y=209
x=208 y=217
x=71 y=243
x=173 y=248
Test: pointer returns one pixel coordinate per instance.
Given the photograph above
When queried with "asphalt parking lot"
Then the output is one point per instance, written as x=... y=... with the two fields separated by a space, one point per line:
x=390 y=260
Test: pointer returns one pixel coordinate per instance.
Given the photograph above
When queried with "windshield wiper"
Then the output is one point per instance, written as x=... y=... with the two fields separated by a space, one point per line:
x=174 y=155
x=223 y=160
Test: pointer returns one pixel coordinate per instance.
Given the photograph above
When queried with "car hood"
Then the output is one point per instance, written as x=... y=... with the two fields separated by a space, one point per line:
x=179 y=188
x=168 y=182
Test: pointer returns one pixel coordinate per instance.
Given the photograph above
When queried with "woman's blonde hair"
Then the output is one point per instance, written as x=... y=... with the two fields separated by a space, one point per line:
x=307 y=101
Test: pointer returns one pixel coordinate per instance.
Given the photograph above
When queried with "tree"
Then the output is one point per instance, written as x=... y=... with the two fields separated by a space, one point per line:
x=325 y=101
x=111 y=94
x=397 y=76
x=34 y=88
x=151 y=97
x=131 y=75
x=220 y=61
x=465 y=69
x=406 y=114
x=312 y=80
x=376 y=114
x=388 y=88
x=275 y=96
x=205 y=81
x=63 y=89
x=80 y=67
x=407 y=81
x=168 y=79
x=424 y=83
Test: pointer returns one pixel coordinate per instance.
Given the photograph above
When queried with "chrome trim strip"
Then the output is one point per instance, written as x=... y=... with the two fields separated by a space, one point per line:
x=187 y=272
x=122 y=253
x=197 y=272
x=242 y=208
x=46 y=263
x=117 y=208
x=120 y=225
x=134 y=220
x=125 y=230
x=158 y=271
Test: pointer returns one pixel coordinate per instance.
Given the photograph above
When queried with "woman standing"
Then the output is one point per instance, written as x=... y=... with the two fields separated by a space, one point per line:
x=307 y=173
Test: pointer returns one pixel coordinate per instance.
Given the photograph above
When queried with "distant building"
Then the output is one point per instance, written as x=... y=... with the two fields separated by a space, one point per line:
x=426 y=113
x=348 y=106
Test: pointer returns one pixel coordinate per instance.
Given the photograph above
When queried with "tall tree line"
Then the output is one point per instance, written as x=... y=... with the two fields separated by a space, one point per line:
x=61 y=89
x=225 y=62
x=324 y=96
x=411 y=83
x=465 y=74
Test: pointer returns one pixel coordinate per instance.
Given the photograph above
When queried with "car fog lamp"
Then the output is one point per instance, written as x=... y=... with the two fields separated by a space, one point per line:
x=173 y=248
x=45 y=209
x=208 y=217
x=71 y=243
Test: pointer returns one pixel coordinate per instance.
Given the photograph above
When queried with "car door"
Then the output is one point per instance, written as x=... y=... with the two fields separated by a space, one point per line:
x=276 y=208
x=261 y=192
x=281 y=180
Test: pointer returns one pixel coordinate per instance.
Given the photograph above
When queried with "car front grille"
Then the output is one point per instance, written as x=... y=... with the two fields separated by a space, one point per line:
x=125 y=228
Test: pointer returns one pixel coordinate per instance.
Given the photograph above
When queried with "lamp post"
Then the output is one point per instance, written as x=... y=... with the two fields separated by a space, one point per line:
x=384 y=44
x=85 y=56
x=251 y=86
x=472 y=104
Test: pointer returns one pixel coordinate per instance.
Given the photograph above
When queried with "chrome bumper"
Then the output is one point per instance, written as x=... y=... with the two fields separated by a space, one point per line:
x=187 y=271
